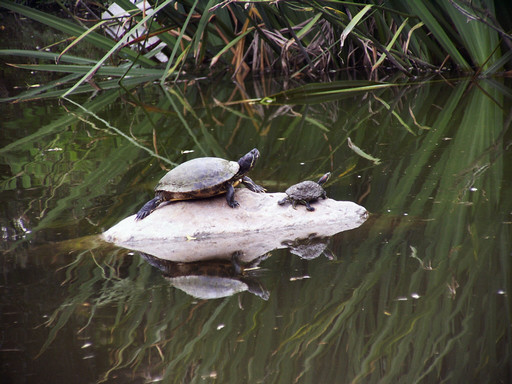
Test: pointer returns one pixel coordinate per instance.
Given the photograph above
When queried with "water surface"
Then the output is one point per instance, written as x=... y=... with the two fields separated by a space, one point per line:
x=419 y=293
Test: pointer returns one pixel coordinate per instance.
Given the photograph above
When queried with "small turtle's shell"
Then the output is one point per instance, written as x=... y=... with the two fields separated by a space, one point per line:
x=306 y=190
x=201 y=177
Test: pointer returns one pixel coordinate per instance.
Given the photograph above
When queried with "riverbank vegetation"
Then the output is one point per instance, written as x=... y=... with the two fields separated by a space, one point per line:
x=171 y=39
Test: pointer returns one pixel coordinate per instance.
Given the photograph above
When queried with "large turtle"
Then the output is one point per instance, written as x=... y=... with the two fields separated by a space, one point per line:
x=304 y=192
x=203 y=177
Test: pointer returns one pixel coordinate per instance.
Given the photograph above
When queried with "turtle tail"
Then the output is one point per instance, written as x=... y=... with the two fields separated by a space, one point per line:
x=149 y=207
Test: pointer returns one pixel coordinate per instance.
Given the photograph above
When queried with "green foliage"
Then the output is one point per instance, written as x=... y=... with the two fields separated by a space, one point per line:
x=295 y=38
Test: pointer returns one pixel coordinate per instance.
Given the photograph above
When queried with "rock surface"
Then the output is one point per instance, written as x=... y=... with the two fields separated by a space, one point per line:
x=204 y=229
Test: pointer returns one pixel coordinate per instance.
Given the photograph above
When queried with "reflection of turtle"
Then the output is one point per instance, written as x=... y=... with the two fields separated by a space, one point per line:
x=303 y=193
x=211 y=279
x=310 y=247
x=203 y=177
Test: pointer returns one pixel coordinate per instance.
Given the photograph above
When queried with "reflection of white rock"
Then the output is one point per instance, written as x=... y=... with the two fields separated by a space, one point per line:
x=204 y=229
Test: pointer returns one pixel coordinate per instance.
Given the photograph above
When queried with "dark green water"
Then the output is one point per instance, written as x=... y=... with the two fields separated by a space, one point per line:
x=419 y=293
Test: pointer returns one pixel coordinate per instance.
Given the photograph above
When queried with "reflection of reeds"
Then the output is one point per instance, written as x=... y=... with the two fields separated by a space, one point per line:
x=378 y=316
x=429 y=336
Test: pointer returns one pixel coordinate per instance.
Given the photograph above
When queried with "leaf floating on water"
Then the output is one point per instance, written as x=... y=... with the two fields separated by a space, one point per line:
x=416 y=122
x=361 y=153
x=414 y=255
x=401 y=121
x=300 y=278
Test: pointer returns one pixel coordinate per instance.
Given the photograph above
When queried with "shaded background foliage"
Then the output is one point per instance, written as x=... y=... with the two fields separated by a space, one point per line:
x=296 y=39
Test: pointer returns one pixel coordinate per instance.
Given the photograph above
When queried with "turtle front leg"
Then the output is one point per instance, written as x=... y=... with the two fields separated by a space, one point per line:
x=308 y=206
x=149 y=207
x=230 y=196
x=247 y=181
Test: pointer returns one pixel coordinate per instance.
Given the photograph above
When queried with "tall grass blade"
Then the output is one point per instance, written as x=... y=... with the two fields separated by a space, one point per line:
x=168 y=70
x=46 y=56
x=353 y=23
x=320 y=91
x=83 y=36
x=419 y=8
x=119 y=44
x=230 y=45
x=478 y=38
x=391 y=43
x=106 y=71
x=72 y=29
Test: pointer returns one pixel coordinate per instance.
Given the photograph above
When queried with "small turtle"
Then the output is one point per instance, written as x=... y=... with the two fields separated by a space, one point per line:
x=203 y=177
x=304 y=192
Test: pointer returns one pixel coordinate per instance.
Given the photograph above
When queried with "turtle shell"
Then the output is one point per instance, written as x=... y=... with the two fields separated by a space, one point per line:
x=306 y=190
x=204 y=176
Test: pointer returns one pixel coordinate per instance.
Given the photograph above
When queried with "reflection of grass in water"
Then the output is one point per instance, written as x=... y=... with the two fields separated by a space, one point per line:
x=417 y=340
x=86 y=277
x=365 y=332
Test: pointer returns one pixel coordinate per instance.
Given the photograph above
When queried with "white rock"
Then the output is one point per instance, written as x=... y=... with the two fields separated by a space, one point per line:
x=204 y=229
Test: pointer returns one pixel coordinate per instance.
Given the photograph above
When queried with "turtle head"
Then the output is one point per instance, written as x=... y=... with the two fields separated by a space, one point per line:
x=247 y=161
x=324 y=178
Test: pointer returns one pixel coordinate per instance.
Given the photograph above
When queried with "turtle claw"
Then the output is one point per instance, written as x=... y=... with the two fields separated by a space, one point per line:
x=259 y=189
x=251 y=185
